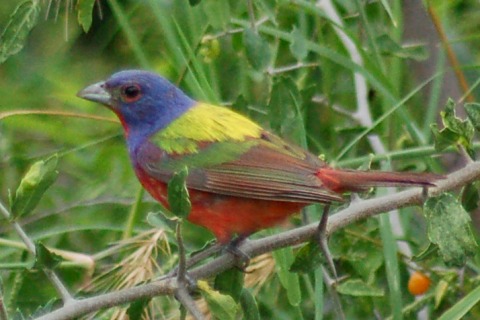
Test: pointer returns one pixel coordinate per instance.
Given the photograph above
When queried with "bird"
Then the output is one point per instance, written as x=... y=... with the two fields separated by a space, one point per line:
x=241 y=177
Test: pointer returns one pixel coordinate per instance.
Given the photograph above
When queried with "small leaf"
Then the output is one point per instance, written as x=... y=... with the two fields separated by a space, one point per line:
x=451 y=121
x=137 y=308
x=18 y=315
x=217 y=13
x=473 y=113
x=36 y=181
x=290 y=281
x=241 y=105
x=257 y=50
x=84 y=15
x=221 y=306
x=298 y=47
x=449 y=228
x=388 y=46
x=443 y=138
x=358 y=288
x=441 y=290
x=230 y=282
x=456 y=132
x=388 y=9
x=249 y=305
x=308 y=258
x=429 y=251
x=160 y=221
x=21 y=22
x=177 y=194
x=470 y=197
x=44 y=258
x=193 y=3
x=285 y=118
x=45 y=309
x=462 y=307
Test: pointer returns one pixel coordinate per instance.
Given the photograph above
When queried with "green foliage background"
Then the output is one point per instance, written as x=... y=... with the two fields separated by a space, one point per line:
x=279 y=62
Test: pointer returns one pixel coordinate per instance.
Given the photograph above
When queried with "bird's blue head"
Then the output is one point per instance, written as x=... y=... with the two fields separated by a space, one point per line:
x=143 y=101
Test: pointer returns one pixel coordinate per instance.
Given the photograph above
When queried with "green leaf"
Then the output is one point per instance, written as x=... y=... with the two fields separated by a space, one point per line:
x=44 y=258
x=441 y=290
x=249 y=305
x=388 y=9
x=470 y=197
x=290 y=281
x=21 y=22
x=443 y=138
x=426 y=253
x=137 y=308
x=388 y=46
x=449 y=228
x=473 y=113
x=36 y=181
x=257 y=50
x=462 y=307
x=160 y=220
x=298 y=46
x=451 y=121
x=308 y=258
x=45 y=309
x=218 y=13
x=230 y=282
x=221 y=306
x=177 y=194
x=18 y=315
x=455 y=132
x=284 y=117
x=358 y=288
x=241 y=105
x=84 y=13
x=194 y=2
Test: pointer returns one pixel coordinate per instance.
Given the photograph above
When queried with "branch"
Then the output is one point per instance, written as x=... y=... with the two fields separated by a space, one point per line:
x=30 y=246
x=361 y=210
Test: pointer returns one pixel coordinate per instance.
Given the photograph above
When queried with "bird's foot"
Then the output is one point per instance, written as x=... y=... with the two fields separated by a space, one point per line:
x=198 y=256
x=242 y=260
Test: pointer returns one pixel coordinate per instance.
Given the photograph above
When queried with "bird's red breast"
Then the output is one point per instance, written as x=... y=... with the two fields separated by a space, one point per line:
x=223 y=215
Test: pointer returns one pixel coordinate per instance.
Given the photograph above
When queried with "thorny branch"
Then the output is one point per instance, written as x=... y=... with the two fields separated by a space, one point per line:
x=362 y=209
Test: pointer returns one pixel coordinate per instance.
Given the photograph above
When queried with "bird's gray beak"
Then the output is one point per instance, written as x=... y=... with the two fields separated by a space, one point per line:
x=96 y=93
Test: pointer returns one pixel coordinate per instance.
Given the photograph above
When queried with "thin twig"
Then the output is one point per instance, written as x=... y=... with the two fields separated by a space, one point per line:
x=186 y=300
x=330 y=284
x=452 y=57
x=54 y=279
x=251 y=14
x=3 y=311
x=323 y=240
x=182 y=270
x=362 y=209
x=182 y=293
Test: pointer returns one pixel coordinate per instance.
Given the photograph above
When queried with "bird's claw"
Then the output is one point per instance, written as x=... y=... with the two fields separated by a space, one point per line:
x=242 y=260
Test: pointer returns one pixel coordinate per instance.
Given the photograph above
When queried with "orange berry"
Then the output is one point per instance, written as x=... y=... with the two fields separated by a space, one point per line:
x=418 y=283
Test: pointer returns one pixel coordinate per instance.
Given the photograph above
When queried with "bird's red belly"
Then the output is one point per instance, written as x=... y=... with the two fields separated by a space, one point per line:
x=226 y=216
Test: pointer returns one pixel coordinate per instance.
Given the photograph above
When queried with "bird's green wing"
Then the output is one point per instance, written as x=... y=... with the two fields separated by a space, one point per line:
x=249 y=162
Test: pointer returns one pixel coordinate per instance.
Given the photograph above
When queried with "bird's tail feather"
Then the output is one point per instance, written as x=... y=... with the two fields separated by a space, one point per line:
x=340 y=180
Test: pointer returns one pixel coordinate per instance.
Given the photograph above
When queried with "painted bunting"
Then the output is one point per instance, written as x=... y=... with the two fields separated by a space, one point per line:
x=242 y=178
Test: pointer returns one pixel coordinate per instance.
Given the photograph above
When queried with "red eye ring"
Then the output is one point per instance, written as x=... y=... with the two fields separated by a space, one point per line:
x=131 y=92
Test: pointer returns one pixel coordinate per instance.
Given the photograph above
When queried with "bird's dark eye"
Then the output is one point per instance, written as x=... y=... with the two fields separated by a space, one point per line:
x=131 y=92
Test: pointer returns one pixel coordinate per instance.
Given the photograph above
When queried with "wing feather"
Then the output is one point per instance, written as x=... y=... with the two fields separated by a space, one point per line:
x=265 y=168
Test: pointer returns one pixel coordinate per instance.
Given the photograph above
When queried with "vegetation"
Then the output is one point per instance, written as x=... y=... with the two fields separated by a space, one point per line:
x=338 y=78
